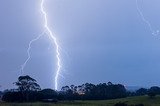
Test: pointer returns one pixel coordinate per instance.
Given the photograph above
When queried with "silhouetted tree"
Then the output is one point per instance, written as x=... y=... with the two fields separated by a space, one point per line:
x=26 y=83
x=141 y=91
x=153 y=91
x=27 y=87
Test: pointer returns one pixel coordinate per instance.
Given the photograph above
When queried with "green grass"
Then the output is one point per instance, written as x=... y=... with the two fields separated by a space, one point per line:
x=130 y=100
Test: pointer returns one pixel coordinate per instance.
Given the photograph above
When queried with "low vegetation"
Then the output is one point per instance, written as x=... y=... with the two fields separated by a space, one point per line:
x=130 y=101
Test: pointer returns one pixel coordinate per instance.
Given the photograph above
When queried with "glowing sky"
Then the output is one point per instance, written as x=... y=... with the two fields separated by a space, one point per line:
x=102 y=40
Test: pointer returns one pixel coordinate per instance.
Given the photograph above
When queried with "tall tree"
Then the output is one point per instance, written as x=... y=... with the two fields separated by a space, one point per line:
x=28 y=87
x=26 y=83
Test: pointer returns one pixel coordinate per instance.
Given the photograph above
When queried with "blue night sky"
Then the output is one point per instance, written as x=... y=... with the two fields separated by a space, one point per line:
x=101 y=41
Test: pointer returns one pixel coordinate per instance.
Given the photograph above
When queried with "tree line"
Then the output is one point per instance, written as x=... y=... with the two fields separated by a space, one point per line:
x=90 y=91
x=28 y=90
x=151 y=92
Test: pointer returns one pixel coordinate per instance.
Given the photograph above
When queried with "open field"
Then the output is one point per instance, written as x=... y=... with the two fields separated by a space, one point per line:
x=131 y=100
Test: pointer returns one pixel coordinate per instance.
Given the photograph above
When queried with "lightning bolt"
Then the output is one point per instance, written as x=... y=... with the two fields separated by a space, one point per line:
x=154 y=32
x=52 y=37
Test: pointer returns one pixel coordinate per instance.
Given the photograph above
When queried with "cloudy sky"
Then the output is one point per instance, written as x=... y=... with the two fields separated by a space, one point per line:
x=101 y=41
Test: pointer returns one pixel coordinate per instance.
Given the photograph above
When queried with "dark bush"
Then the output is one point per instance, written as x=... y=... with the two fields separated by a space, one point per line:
x=30 y=96
x=12 y=97
x=120 y=104
x=47 y=94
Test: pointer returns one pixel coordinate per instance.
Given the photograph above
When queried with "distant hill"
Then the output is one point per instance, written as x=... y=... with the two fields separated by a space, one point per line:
x=132 y=88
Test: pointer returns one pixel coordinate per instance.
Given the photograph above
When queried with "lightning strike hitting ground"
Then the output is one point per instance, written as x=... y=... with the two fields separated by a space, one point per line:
x=54 y=41
x=154 y=32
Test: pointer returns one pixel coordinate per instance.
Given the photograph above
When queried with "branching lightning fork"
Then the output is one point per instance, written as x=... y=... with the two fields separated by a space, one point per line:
x=28 y=52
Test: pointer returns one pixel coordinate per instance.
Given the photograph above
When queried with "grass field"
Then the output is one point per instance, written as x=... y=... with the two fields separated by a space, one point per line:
x=131 y=100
